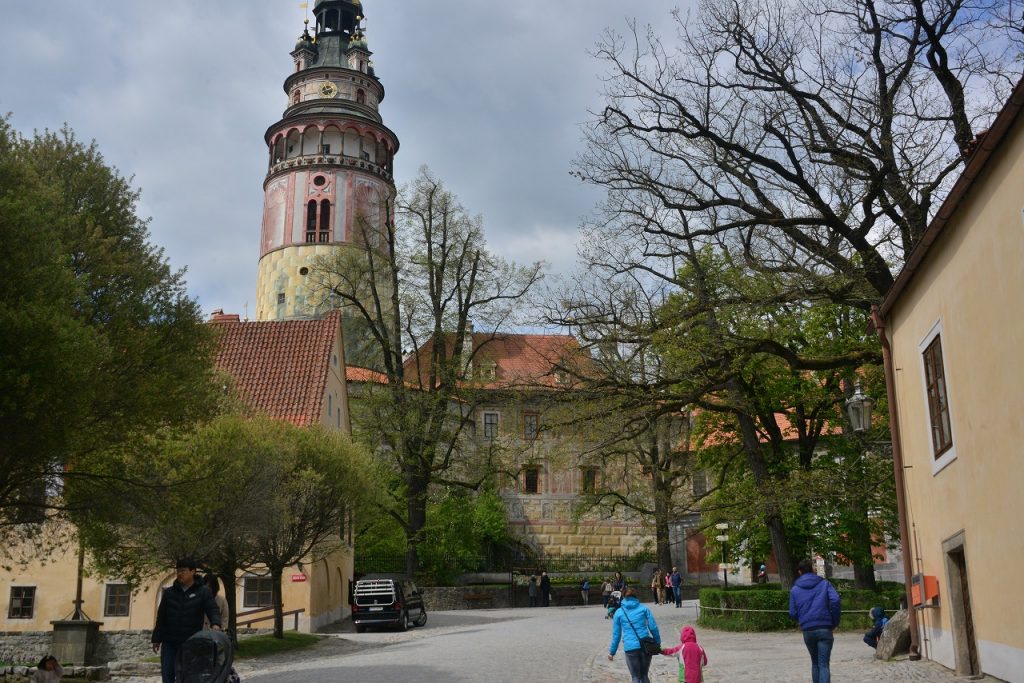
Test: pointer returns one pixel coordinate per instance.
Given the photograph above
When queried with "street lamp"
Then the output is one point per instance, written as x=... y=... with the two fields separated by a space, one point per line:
x=858 y=407
x=722 y=538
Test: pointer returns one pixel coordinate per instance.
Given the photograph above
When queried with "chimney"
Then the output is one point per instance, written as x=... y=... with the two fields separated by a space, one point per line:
x=219 y=316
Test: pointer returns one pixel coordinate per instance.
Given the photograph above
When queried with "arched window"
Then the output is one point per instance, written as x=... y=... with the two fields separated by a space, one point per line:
x=311 y=221
x=325 y=220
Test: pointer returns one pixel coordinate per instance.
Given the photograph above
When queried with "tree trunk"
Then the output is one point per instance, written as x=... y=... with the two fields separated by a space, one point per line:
x=773 y=519
x=663 y=546
x=276 y=573
x=416 y=509
x=864 y=559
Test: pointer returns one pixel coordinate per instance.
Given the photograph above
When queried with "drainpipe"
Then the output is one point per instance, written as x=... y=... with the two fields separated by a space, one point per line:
x=897 y=466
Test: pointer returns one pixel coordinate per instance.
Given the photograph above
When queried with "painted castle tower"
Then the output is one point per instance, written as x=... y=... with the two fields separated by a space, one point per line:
x=331 y=162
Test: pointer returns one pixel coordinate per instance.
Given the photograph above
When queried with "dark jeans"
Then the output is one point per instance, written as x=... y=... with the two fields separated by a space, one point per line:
x=638 y=664
x=677 y=595
x=168 y=655
x=819 y=645
x=533 y=601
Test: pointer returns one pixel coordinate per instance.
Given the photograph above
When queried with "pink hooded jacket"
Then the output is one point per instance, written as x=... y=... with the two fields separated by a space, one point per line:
x=690 y=654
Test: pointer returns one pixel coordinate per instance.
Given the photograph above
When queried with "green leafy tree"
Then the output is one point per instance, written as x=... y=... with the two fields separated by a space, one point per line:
x=98 y=340
x=419 y=288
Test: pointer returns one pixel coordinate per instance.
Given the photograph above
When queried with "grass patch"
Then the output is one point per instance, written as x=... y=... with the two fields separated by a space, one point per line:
x=262 y=646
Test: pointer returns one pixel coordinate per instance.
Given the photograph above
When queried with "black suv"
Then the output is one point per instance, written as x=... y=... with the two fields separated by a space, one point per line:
x=387 y=601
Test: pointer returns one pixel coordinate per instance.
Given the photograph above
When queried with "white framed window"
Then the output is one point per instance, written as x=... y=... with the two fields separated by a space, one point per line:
x=935 y=381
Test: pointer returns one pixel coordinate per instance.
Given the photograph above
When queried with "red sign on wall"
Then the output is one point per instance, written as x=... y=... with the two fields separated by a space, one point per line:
x=298 y=578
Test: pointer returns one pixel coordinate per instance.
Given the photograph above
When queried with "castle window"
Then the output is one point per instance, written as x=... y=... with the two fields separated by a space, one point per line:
x=588 y=480
x=490 y=425
x=311 y=221
x=280 y=297
x=324 y=149
x=23 y=602
x=360 y=96
x=117 y=601
x=531 y=479
x=296 y=97
x=531 y=424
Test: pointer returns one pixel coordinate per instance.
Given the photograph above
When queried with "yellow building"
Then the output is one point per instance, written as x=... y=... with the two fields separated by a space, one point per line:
x=954 y=320
x=291 y=370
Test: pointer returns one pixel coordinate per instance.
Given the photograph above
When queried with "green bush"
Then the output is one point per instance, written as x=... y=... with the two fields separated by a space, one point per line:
x=769 y=609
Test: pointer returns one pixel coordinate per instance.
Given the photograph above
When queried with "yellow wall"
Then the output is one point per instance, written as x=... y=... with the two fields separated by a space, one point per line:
x=971 y=286
x=323 y=596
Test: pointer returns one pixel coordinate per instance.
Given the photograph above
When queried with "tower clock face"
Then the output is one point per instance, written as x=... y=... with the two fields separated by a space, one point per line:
x=328 y=89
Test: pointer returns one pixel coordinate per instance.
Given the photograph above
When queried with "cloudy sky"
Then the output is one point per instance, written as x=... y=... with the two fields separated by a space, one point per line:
x=178 y=95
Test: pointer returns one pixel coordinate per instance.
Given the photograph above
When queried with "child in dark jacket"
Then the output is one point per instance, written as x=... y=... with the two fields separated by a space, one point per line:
x=691 y=656
x=879 y=620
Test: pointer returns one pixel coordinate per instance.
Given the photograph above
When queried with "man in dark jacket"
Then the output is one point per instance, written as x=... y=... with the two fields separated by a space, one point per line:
x=814 y=603
x=183 y=605
x=545 y=589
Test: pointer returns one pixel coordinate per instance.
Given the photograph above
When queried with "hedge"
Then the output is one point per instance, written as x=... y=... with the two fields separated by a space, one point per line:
x=769 y=607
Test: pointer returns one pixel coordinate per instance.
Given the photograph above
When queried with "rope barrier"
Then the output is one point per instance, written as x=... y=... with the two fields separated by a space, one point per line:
x=786 y=611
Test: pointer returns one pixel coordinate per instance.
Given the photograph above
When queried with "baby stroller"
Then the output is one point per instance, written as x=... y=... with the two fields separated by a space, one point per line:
x=614 y=600
x=205 y=658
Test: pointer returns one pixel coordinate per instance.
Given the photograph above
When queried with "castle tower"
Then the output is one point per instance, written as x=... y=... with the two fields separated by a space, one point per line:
x=330 y=161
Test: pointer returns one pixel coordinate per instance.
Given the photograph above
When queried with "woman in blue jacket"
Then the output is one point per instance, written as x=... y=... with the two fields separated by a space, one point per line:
x=814 y=603
x=633 y=621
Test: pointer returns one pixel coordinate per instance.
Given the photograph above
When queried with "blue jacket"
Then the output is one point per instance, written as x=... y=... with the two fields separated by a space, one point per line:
x=641 y=619
x=814 y=603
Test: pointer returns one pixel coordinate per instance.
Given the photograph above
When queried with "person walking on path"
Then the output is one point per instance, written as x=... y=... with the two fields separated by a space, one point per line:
x=545 y=589
x=656 y=586
x=632 y=622
x=585 y=592
x=180 y=615
x=606 y=591
x=677 y=582
x=816 y=606
x=691 y=656
x=531 y=590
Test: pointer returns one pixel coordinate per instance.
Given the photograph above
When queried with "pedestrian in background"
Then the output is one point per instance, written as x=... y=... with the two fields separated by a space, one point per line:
x=585 y=591
x=677 y=583
x=606 y=591
x=632 y=622
x=48 y=671
x=657 y=586
x=213 y=583
x=815 y=605
x=531 y=590
x=619 y=583
x=545 y=589
x=180 y=615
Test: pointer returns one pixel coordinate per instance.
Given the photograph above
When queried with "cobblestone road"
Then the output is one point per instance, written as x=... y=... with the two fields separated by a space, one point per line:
x=561 y=644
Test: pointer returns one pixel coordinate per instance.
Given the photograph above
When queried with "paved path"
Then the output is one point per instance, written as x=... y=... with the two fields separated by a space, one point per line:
x=560 y=644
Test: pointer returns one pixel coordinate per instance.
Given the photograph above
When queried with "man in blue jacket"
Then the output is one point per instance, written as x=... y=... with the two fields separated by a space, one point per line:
x=633 y=621
x=814 y=603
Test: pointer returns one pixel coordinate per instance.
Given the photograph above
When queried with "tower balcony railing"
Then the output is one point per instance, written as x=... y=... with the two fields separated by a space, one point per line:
x=330 y=160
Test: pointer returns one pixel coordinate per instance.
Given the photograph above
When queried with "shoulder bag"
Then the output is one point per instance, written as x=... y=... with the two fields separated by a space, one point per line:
x=648 y=644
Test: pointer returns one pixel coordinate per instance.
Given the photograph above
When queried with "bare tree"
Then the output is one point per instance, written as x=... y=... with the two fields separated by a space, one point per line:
x=418 y=289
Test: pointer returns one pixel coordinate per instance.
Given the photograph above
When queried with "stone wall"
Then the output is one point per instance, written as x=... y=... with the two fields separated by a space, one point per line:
x=443 y=598
x=31 y=646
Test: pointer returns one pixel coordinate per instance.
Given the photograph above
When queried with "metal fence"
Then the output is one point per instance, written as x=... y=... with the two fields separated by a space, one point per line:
x=513 y=563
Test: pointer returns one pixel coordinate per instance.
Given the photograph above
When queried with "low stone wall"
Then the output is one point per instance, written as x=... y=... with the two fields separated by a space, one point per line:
x=31 y=646
x=22 y=674
x=443 y=598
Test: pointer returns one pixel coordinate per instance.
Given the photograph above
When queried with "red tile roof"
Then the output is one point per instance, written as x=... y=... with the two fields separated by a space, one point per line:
x=519 y=360
x=354 y=374
x=280 y=367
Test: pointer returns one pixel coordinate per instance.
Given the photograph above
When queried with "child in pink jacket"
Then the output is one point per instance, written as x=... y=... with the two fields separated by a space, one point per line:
x=691 y=656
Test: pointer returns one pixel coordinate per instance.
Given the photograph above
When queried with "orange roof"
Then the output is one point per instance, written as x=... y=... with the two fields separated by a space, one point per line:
x=280 y=367
x=519 y=360
x=354 y=374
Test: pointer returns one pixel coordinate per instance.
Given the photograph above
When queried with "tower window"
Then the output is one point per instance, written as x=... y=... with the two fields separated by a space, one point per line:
x=320 y=180
x=280 y=297
x=325 y=220
x=361 y=96
x=324 y=149
x=531 y=479
x=311 y=221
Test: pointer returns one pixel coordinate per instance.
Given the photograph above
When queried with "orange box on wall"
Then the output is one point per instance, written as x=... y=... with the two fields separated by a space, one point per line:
x=929 y=585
